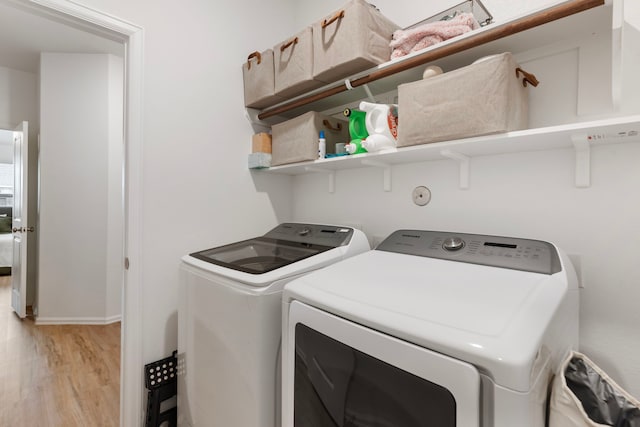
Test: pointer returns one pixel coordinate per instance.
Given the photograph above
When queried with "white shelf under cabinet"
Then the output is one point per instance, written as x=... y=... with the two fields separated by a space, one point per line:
x=579 y=136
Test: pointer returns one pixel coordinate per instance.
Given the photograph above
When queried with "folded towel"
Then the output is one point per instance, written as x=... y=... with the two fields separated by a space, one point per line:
x=406 y=41
x=259 y=160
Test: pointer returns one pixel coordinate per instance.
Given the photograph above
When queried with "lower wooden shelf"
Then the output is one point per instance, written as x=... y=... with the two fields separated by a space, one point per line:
x=578 y=136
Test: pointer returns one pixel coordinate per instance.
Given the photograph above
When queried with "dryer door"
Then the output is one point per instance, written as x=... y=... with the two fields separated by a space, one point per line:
x=341 y=374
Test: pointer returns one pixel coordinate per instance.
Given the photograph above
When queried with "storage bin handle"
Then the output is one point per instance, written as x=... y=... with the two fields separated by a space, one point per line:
x=255 y=54
x=528 y=77
x=329 y=126
x=289 y=43
x=339 y=15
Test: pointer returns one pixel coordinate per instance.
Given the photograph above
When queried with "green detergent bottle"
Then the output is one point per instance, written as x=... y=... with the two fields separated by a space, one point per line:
x=357 y=124
x=357 y=131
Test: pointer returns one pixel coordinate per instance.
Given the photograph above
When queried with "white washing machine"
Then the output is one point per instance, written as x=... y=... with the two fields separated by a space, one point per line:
x=229 y=321
x=430 y=329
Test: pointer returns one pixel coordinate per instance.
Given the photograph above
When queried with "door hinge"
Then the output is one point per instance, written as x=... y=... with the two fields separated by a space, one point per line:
x=126 y=263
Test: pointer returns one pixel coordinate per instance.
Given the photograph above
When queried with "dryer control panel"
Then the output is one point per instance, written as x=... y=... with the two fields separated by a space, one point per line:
x=497 y=251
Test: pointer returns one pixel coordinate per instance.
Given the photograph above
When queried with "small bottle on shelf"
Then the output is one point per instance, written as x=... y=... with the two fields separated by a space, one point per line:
x=322 y=146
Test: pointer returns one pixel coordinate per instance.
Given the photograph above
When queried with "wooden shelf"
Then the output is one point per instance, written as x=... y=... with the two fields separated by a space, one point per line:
x=578 y=136
x=520 y=34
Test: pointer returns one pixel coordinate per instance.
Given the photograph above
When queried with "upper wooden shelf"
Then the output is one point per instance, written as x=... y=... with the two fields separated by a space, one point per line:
x=530 y=31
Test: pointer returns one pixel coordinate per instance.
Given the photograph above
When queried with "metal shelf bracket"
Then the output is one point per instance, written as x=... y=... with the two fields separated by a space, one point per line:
x=330 y=172
x=386 y=170
x=463 y=164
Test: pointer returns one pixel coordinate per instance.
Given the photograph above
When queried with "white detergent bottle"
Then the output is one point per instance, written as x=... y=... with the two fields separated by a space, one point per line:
x=377 y=142
x=381 y=121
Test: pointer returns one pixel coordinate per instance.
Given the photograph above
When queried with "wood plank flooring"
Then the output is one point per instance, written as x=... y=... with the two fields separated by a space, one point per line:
x=58 y=375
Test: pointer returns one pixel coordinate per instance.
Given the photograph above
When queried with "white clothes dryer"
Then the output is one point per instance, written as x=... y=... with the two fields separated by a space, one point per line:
x=229 y=320
x=430 y=329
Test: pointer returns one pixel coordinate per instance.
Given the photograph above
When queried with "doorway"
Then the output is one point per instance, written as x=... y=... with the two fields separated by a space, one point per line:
x=73 y=16
x=6 y=200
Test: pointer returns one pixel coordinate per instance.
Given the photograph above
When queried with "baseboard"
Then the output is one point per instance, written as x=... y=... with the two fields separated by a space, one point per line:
x=112 y=319
x=77 y=320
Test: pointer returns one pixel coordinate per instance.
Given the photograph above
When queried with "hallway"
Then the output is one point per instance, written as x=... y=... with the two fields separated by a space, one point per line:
x=55 y=376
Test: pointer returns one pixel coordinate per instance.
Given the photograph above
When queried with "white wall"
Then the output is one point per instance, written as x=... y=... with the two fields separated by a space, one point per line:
x=18 y=98
x=529 y=195
x=630 y=39
x=115 y=205
x=76 y=278
x=19 y=102
x=6 y=146
x=197 y=190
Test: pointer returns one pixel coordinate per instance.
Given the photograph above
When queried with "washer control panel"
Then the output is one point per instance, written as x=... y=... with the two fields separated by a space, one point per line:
x=453 y=243
x=326 y=235
x=496 y=251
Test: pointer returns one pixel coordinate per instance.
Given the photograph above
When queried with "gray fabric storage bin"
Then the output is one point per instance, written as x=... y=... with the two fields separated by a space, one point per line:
x=296 y=140
x=482 y=98
x=258 y=78
x=293 y=62
x=350 y=40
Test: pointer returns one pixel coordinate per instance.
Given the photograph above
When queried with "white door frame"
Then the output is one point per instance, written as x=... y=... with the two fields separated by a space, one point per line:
x=131 y=369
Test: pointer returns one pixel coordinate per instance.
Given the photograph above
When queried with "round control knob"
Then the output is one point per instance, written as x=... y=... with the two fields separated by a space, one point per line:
x=453 y=244
x=304 y=232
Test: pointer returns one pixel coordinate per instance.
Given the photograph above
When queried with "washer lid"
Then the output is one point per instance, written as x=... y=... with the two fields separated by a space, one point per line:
x=313 y=246
x=259 y=255
x=492 y=317
x=284 y=245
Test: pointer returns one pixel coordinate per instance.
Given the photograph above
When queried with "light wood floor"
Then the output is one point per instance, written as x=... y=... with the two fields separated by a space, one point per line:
x=57 y=376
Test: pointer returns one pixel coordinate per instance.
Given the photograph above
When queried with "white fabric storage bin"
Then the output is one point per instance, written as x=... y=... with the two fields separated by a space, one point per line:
x=350 y=40
x=567 y=410
x=296 y=140
x=293 y=62
x=258 y=79
x=483 y=98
